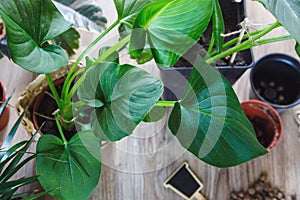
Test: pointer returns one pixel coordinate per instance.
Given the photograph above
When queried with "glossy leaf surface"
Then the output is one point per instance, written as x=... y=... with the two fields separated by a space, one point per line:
x=121 y=95
x=218 y=26
x=29 y=24
x=128 y=10
x=210 y=123
x=171 y=27
x=72 y=169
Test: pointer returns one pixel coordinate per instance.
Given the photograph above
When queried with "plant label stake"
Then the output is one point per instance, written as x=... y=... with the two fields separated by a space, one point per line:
x=185 y=183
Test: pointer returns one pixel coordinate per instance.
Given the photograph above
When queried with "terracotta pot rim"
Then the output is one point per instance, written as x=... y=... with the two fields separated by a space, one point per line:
x=3 y=98
x=278 y=122
x=5 y=115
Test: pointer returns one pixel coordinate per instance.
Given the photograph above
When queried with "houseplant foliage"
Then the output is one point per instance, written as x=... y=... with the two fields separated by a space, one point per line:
x=122 y=95
x=11 y=161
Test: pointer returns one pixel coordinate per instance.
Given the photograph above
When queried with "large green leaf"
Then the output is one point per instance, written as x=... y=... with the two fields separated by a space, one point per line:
x=82 y=14
x=29 y=24
x=171 y=28
x=122 y=96
x=210 y=123
x=73 y=169
x=128 y=10
x=287 y=13
x=68 y=40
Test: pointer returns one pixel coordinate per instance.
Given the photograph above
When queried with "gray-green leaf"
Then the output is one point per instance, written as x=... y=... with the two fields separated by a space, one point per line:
x=29 y=24
x=287 y=13
x=121 y=95
x=210 y=122
x=171 y=27
x=82 y=14
x=72 y=169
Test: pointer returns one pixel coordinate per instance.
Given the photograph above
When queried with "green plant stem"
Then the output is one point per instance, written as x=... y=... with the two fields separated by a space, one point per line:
x=75 y=87
x=243 y=45
x=211 y=46
x=68 y=84
x=114 y=48
x=83 y=54
x=53 y=90
x=60 y=129
x=166 y=103
x=234 y=41
x=269 y=40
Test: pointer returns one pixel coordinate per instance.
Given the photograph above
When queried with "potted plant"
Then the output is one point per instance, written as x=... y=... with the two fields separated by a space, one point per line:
x=11 y=161
x=208 y=121
x=234 y=15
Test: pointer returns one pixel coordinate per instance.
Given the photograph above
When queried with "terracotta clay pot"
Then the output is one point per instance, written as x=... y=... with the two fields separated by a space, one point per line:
x=266 y=122
x=45 y=105
x=5 y=115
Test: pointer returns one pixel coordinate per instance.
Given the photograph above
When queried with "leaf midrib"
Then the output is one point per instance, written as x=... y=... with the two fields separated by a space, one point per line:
x=157 y=14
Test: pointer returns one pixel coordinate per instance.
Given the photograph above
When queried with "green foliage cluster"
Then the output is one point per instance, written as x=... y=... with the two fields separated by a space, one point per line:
x=208 y=121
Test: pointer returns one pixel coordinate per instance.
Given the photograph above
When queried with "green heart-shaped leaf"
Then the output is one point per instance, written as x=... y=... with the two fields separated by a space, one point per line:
x=210 y=122
x=29 y=24
x=171 y=27
x=127 y=10
x=68 y=167
x=287 y=13
x=122 y=96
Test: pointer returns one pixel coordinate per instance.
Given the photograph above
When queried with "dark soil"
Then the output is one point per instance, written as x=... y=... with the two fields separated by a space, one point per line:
x=264 y=131
x=242 y=58
x=233 y=14
x=46 y=108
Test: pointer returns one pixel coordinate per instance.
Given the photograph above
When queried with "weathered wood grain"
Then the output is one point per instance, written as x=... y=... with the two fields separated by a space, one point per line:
x=136 y=167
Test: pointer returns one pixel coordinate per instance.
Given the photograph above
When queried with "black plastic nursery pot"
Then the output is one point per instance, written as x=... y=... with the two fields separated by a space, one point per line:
x=275 y=79
x=175 y=78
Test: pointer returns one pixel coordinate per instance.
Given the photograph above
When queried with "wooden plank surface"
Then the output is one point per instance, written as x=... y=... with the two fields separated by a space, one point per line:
x=136 y=167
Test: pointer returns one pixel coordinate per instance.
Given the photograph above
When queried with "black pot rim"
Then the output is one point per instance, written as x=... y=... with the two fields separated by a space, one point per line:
x=279 y=57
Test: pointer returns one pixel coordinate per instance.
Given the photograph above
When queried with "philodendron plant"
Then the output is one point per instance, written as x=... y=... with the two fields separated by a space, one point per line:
x=208 y=121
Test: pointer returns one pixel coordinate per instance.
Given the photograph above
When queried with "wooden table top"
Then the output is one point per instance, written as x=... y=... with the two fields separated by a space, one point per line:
x=136 y=167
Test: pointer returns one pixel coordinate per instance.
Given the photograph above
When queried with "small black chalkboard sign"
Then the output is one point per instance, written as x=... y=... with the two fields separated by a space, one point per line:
x=184 y=182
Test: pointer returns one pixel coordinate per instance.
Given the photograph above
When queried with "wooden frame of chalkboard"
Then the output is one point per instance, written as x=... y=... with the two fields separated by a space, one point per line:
x=184 y=177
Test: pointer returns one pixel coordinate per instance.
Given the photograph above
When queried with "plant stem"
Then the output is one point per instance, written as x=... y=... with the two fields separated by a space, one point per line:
x=68 y=84
x=114 y=48
x=60 y=129
x=166 y=103
x=244 y=44
x=267 y=41
x=211 y=46
x=273 y=40
x=53 y=90
x=83 y=54
x=75 y=87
